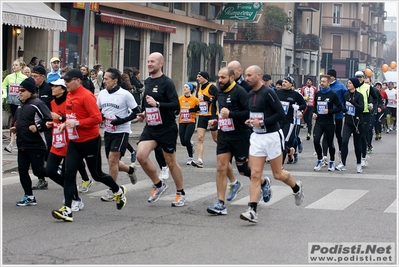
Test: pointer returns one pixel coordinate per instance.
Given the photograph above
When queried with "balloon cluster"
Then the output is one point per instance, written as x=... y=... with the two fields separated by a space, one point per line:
x=385 y=66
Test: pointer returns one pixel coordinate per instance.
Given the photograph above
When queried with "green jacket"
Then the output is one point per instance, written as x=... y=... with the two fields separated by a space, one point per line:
x=12 y=82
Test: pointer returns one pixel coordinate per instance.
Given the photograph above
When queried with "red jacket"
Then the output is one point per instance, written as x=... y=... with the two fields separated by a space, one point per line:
x=81 y=105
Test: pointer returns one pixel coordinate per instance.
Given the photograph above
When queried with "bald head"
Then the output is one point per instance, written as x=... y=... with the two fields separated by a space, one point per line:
x=253 y=76
x=236 y=66
x=155 y=63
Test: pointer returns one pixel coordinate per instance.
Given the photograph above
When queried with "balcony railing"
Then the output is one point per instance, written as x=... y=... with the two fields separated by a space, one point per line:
x=258 y=34
x=344 y=53
x=307 y=42
x=313 y=7
x=347 y=23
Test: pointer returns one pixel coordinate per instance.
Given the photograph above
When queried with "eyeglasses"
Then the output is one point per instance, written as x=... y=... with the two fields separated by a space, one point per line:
x=22 y=90
x=359 y=76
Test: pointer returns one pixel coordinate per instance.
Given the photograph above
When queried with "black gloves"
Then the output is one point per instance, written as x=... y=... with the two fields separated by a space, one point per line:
x=118 y=121
x=206 y=98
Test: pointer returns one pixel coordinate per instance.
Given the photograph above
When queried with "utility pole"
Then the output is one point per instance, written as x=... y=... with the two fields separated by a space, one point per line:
x=85 y=42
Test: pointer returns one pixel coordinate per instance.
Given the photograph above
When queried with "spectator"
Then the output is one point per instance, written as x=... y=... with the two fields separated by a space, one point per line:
x=33 y=62
x=86 y=82
x=138 y=87
x=55 y=71
x=42 y=63
x=126 y=77
x=94 y=80
x=27 y=71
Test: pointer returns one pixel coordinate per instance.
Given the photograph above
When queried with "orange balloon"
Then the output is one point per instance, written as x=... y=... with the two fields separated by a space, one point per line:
x=385 y=67
x=368 y=72
x=393 y=65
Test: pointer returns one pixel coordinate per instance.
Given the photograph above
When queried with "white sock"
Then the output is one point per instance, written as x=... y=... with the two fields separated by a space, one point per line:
x=235 y=182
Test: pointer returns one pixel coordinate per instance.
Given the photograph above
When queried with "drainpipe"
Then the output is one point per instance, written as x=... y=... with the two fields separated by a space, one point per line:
x=85 y=42
x=295 y=33
x=318 y=52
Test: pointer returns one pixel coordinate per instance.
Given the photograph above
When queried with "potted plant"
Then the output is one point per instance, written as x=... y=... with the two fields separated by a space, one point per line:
x=275 y=18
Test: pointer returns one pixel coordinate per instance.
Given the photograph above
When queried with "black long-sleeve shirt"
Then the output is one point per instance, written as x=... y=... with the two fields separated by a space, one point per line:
x=289 y=97
x=163 y=90
x=236 y=101
x=329 y=101
x=265 y=103
x=354 y=105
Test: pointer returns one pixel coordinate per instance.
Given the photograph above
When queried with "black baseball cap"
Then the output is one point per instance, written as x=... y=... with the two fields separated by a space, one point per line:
x=73 y=73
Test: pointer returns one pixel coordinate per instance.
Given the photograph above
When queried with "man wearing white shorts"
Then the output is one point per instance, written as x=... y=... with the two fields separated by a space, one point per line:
x=267 y=140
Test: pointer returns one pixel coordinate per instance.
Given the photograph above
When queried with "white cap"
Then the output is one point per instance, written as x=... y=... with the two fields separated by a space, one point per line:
x=58 y=82
x=359 y=73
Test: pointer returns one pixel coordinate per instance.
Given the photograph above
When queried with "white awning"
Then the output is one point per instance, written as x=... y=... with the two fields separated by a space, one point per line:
x=33 y=15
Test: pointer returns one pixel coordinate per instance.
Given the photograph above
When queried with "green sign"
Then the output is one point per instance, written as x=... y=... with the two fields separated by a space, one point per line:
x=245 y=11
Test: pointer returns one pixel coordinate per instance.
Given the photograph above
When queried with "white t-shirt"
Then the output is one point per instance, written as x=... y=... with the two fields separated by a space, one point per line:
x=119 y=103
x=392 y=96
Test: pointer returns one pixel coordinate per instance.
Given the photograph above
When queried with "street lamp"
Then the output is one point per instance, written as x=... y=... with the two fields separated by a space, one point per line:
x=18 y=30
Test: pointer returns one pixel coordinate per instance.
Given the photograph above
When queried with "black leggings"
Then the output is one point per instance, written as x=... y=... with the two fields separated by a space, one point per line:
x=370 y=128
x=307 y=118
x=363 y=133
x=53 y=161
x=338 y=134
x=35 y=159
x=328 y=131
x=90 y=151
x=159 y=157
x=347 y=131
x=186 y=131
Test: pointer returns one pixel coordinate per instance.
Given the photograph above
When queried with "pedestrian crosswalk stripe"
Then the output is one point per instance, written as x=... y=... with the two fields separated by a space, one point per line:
x=192 y=194
x=393 y=207
x=339 y=199
x=278 y=192
x=142 y=185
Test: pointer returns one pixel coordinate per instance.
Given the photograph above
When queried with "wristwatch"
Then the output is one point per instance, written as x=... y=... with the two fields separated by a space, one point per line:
x=157 y=104
x=77 y=123
x=60 y=118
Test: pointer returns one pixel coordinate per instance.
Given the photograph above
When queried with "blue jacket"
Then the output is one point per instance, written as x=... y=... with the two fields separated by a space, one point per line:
x=340 y=89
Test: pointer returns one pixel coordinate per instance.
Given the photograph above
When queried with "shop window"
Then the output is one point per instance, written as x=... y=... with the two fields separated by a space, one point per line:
x=179 y=6
x=198 y=8
x=132 y=54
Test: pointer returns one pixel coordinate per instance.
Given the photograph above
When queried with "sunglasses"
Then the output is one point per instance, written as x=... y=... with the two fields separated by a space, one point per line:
x=22 y=90
x=359 y=76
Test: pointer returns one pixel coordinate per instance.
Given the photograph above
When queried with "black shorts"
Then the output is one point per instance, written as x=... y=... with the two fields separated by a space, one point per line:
x=390 y=110
x=116 y=142
x=203 y=122
x=238 y=147
x=167 y=140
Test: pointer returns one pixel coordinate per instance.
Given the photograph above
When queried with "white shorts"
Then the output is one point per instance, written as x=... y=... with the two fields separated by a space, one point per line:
x=268 y=145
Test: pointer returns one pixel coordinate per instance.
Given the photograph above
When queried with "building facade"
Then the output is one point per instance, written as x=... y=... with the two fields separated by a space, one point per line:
x=124 y=34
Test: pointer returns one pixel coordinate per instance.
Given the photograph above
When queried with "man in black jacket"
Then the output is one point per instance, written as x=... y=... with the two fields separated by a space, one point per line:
x=32 y=146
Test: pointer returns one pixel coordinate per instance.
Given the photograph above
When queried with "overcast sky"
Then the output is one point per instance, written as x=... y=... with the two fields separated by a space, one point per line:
x=391 y=8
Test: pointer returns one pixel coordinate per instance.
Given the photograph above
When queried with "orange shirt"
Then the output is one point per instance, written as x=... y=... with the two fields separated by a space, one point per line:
x=185 y=104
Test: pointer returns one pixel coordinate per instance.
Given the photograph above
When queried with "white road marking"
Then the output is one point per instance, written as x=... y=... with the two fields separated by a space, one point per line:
x=339 y=199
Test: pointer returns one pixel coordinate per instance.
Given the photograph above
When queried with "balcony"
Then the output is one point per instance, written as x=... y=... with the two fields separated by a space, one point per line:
x=254 y=34
x=342 y=23
x=307 y=42
x=343 y=53
x=312 y=7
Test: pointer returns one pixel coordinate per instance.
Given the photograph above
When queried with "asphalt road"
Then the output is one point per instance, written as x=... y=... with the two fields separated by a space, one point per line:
x=338 y=207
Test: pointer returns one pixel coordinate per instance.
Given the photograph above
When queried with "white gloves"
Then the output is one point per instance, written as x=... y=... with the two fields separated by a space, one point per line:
x=370 y=106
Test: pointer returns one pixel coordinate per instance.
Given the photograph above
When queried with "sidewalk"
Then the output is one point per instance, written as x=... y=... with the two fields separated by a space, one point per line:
x=9 y=160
